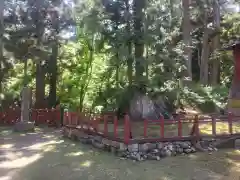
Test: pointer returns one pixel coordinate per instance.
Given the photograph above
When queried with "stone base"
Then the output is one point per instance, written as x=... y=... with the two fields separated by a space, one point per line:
x=227 y=143
x=24 y=127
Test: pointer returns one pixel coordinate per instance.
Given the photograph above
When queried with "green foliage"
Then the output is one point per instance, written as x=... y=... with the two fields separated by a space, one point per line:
x=93 y=69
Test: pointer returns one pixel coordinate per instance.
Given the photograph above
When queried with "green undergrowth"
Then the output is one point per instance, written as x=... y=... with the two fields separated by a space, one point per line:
x=205 y=99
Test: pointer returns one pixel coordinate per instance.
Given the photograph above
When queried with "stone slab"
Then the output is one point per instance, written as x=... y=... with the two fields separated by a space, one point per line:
x=226 y=143
x=24 y=126
x=237 y=144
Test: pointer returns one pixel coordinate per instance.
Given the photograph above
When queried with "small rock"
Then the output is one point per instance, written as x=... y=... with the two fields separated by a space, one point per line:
x=153 y=157
x=179 y=150
x=155 y=151
x=160 y=145
x=138 y=156
x=199 y=147
x=84 y=140
x=123 y=154
x=193 y=150
x=185 y=145
x=97 y=138
x=170 y=147
x=143 y=147
x=122 y=147
x=174 y=153
x=168 y=153
x=115 y=144
x=187 y=151
x=135 y=156
x=133 y=148
x=237 y=144
x=210 y=149
x=106 y=142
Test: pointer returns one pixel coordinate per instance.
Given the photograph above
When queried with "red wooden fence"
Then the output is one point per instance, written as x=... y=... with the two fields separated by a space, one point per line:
x=49 y=117
x=91 y=124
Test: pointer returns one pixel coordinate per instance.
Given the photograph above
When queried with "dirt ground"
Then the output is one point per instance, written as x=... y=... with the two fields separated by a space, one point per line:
x=45 y=155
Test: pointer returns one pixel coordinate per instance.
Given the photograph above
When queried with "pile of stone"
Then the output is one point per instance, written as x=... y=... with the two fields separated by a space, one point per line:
x=137 y=152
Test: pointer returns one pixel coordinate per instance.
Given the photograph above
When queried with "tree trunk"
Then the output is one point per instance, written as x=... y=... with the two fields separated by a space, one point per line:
x=204 y=64
x=1 y=43
x=129 y=44
x=138 y=7
x=53 y=61
x=216 y=45
x=187 y=37
x=40 y=85
x=53 y=75
x=117 y=69
x=40 y=73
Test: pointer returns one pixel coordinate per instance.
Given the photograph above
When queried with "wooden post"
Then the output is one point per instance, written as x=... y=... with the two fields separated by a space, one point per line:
x=126 y=129
x=115 y=126
x=162 y=127
x=230 y=120
x=145 y=128
x=179 y=126
x=105 y=125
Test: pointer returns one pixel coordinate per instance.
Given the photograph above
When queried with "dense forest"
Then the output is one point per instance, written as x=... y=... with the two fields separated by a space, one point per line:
x=96 y=54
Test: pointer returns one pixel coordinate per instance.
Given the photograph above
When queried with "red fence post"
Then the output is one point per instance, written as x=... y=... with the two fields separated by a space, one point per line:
x=126 y=129
x=65 y=117
x=105 y=125
x=115 y=126
x=179 y=126
x=162 y=126
x=97 y=122
x=145 y=128
x=69 y=118
x=230 y=123
x=214 y=133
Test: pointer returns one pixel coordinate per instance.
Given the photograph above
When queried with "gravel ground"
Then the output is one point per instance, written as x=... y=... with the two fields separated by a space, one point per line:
x=44 y=155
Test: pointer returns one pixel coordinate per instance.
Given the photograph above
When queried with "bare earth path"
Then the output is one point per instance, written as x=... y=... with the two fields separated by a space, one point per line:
x=44 y=155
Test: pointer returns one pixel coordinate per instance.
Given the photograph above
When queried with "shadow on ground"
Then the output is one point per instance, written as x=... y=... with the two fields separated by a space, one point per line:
x=45 y=155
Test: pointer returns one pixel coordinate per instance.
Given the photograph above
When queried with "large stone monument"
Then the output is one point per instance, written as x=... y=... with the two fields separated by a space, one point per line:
x=24 y=124
x=234 y=93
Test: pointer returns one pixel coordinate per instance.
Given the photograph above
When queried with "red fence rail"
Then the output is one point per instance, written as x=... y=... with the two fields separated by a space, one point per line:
x=49 y=117
x=91 y=124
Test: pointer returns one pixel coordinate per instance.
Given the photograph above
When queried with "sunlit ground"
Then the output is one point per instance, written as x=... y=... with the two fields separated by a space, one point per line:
x=44 y=155
x=221 y=128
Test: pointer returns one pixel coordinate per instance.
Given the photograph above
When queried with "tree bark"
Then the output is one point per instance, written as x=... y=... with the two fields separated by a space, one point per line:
x=216 y=44
x=138 y=6
x=40 y=85
x=187 y=37
x=40 y=73
x=129 y=44
x=204 y=64
x=53 y=75
x=53 y=62
x=1 y=42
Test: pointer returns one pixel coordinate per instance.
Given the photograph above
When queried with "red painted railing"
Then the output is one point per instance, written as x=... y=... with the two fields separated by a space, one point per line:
x=49 y=117
x=91 y=124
